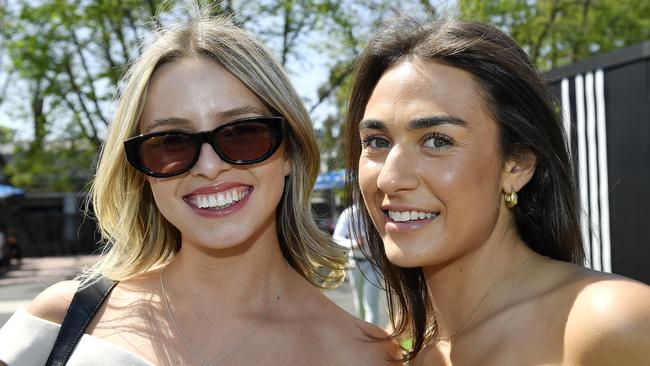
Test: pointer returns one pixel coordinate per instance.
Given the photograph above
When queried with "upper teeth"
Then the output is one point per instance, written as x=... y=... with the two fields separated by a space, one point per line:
x=409 y=215
x=221 y=199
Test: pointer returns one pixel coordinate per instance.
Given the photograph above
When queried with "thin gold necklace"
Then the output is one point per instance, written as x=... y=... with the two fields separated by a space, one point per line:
x=241 y=342
x=487 y=293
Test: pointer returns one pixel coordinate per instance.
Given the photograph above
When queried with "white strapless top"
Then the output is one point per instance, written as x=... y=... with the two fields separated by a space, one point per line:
x=26 y=340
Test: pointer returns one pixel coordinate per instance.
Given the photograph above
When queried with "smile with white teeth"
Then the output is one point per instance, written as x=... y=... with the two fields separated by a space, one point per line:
x=218 y=200
x=403 y=216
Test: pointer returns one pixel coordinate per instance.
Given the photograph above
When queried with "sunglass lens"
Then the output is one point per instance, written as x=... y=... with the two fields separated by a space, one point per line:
x=245 y=142
x=167 y=154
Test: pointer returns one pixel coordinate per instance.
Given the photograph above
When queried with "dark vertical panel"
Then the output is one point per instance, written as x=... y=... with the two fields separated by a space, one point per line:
x=627 y=103
x=574 y=135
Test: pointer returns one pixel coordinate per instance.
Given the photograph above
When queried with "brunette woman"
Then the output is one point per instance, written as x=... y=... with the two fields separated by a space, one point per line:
x=459 y=158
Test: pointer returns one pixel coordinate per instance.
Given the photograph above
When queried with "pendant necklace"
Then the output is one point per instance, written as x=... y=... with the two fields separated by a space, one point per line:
x=495 y=285
x=201 y=361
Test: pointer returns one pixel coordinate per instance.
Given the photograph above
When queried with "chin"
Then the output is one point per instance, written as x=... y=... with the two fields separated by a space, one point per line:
x=402 y=257
x=217 y=240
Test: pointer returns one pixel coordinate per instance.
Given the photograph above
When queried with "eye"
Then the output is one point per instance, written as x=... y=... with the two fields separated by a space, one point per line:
x=436 y=141
x=375 y=142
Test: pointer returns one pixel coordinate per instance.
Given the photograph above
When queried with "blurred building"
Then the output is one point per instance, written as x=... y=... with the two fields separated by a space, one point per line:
x=605 y=103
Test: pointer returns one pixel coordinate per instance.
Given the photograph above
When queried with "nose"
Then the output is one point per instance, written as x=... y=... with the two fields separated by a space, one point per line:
x=209 y=165
x=397 y=173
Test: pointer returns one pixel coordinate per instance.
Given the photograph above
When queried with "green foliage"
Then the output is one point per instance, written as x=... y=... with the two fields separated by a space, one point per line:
x=559 y=32
x=330 y=142
x=6 y=135
x=553 y=32
x=69 y=52
x=62 y=167
x=351 y=36
x=70 y=55
x=61 y=60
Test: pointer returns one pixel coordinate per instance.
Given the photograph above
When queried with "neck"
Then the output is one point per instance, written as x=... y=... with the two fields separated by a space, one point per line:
x=224 y=279
x=463 y=291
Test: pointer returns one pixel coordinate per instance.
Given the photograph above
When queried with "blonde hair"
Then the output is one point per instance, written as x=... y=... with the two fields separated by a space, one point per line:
x=135 y=234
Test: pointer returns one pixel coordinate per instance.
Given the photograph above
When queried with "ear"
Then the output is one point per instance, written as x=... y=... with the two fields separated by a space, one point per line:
x=287 y=165
x=517 y=171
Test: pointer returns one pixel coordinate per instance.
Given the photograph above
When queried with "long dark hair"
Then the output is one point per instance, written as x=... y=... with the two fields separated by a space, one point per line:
x=547 y=216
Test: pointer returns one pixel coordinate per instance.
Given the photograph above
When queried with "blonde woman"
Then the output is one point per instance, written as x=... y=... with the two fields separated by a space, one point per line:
x=202 y=195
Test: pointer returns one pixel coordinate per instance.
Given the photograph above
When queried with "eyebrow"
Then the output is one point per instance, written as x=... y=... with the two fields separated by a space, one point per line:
x=172 y=121
x=234 y=112
x=432 y=121
x=372 y=124
x=418 y=123
x=247 y=109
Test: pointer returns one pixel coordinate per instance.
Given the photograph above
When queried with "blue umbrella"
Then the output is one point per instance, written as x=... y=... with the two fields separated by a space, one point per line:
x=330 y=180
x=8 y=191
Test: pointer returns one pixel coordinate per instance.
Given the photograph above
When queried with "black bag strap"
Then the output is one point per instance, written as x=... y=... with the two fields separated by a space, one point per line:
x=85 y=304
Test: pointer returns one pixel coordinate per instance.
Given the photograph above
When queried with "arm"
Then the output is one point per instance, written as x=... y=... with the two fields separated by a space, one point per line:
x=342 y=230
x=28 y=336
x=53 y=302
x=342 y=227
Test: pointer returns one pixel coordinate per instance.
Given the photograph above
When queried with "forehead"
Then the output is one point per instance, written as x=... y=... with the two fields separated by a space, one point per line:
x=420 y=88
x=194 y=89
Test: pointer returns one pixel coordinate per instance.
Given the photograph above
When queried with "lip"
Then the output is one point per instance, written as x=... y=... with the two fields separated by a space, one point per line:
x=406 y=226
x=215 y=213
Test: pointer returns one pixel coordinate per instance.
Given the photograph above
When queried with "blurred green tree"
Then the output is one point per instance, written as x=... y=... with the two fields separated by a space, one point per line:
x=67 y=57
x=61 y=60
x=336 y=89
x=559 y=32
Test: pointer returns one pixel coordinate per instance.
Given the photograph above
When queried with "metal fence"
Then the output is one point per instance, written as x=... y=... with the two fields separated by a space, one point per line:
x=50 y=224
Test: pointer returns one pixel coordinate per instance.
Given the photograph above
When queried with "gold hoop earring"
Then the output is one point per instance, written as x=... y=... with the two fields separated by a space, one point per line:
x=511 y=199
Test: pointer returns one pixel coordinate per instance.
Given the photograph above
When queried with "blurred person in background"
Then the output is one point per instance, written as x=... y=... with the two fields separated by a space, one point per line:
x=5 y=257
x=363 y=277
x=12 y=245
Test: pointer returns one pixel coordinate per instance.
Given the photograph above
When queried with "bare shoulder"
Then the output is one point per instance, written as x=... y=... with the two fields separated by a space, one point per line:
x=609 y=322
x=382 y=350
x=361 y=343
x=53 y=302
x=347 y=340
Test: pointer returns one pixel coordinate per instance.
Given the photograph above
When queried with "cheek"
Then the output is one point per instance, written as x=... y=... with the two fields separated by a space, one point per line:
x=287 y=167
x=163 y=192
x=472 y=194
x=473 y=174
x=368 y=172
x=271 y=181
x=158 y=188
